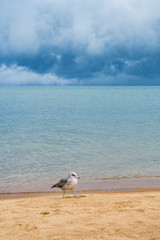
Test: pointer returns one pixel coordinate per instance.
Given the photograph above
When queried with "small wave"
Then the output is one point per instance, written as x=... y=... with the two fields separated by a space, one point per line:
x=120 y=177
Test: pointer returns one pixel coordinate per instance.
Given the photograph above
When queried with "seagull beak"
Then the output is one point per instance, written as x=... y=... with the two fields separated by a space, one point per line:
x=78 y=177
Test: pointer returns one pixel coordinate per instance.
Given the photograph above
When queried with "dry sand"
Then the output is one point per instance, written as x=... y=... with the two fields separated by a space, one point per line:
x=129 y=215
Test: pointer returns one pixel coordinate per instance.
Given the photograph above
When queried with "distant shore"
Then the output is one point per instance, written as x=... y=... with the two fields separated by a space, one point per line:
x=111 y=216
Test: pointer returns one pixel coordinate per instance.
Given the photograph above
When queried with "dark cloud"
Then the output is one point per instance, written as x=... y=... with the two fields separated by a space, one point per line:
x=73 y=42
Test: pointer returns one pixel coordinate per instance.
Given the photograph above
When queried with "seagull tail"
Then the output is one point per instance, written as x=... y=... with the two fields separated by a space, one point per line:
x=53 y=186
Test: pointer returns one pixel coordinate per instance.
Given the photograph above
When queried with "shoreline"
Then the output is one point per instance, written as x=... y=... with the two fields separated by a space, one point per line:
x=38 y=194
x=86 y=186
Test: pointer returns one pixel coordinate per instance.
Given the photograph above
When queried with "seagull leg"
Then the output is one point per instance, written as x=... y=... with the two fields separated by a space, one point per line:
x=63 y=194
x=75 y=195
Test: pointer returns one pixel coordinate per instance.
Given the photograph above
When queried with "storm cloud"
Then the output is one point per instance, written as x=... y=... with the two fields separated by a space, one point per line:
x=71 y=42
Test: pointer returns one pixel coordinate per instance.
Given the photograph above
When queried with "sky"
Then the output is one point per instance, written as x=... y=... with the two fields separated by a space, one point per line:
x=80 y=42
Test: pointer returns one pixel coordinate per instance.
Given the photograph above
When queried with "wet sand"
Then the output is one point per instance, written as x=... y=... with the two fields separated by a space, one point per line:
x=111 y=216
x=112 y=184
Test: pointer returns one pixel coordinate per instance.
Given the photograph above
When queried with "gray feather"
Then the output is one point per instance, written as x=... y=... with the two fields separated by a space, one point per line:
x=61 y=183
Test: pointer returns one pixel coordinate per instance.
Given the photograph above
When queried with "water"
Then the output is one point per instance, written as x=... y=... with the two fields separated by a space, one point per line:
x=106 y=134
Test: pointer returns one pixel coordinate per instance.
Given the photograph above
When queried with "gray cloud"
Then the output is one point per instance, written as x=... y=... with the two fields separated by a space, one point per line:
x=95 y=42
x=21 y=76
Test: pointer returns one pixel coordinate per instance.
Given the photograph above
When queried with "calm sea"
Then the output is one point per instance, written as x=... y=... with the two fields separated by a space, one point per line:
x=109 y=135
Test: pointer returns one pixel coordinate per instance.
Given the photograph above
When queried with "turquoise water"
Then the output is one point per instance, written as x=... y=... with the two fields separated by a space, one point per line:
x=102 y=133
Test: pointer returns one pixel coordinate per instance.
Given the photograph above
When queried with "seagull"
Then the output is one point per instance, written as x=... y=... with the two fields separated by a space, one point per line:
x=68 y=183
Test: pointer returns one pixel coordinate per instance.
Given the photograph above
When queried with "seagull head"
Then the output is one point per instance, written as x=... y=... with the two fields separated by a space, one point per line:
x=73 y=175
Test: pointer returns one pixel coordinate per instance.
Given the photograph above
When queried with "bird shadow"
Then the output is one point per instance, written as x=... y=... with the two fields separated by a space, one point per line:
x=80 y=196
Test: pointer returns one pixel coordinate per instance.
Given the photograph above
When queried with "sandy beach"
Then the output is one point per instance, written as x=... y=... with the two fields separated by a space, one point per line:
x=123 y=215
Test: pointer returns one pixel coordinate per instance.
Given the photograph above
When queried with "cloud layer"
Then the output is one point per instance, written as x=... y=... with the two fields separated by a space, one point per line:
x=71 y=42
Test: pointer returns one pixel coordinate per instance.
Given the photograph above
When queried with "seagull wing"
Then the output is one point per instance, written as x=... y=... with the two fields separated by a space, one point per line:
x=68 y=183
x=61 y=183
